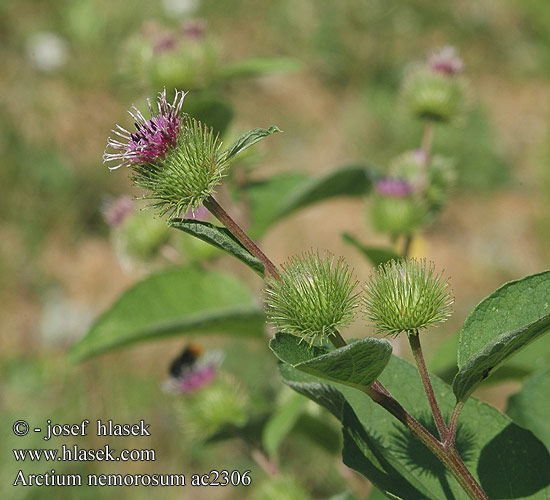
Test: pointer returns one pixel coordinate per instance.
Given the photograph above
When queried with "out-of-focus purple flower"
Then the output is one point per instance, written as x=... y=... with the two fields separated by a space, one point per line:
x=153 y=137
x=115 y=211
x=446 y=61
x=395 y=188
x=165 y=42
x=192 y=370
x=195 y=379
x=194 y=29
x=200 y=213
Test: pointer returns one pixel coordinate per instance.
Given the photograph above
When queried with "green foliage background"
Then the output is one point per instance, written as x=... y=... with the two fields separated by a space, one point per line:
x=57 y=267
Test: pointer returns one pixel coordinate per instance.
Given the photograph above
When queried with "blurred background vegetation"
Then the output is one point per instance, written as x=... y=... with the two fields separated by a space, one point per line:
x=67 y=77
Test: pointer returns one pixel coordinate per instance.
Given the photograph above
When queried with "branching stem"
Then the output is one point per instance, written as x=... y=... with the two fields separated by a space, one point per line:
x=444 y=450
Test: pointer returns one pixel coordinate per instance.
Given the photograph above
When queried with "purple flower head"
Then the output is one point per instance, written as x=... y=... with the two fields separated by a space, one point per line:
x=115 y=211
x=394 y=188
x=195 y=379
x=153 y=137
x=446 y=61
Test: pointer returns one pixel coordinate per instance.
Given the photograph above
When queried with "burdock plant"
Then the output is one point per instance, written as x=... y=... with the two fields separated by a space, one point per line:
x=179 y=162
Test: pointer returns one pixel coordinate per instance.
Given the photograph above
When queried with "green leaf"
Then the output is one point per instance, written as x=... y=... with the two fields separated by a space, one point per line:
x=376 y=494
x=260 y=66
x=281 y=422
x=320 y=430
x=353 y=180
x=219 y=237
x=266 y=197
x=249 y=139
x=530 y=407
x=376 y=255
x=534 y=358
x=294 y=350
x=499 y=326
x=174 y=302
x=280 y=196
x=357 y=364
x=479 y=367
x=508 y=461
x=313 y=388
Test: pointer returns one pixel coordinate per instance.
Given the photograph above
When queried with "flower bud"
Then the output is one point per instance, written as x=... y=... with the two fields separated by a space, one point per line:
x=313 y=297
x=433 y=90
x=441 y=175
x=432 y=95
x=159 y=56
x=221 y=403
x=406 y=296
x=394 y=209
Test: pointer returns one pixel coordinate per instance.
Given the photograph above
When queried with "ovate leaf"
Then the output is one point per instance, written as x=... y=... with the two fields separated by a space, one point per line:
x=534 y=358
x=504 y=346
x=293 y=350
x=249 y=139
x=266 y=197
x=174 y=302
x=502 y=324
x=221 y=238
x=357 y=364
x=353 y=180
x=280 y=196
x=375 y=255
x=363 y=453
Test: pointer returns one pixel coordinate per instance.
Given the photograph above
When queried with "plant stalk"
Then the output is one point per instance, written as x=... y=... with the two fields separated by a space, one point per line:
x=336 y=338
x=407 y=246
x=216 y=209
x=414 y=341
x=426 y=147
x=451 y=435
x=448 y=455
x=427 y=140
x=445 y=452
